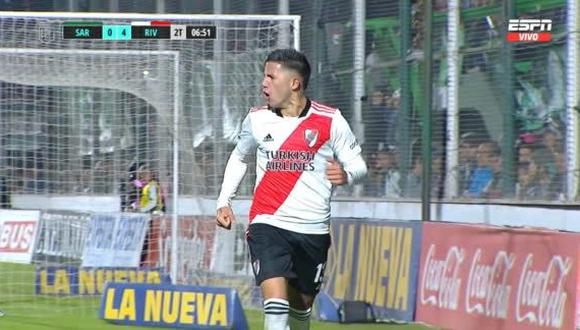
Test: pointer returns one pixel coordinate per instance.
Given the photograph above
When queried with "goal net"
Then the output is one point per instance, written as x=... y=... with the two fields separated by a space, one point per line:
x=82 y=120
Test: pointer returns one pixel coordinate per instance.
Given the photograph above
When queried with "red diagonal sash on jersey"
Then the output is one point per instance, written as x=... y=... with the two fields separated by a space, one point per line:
x=275 y=186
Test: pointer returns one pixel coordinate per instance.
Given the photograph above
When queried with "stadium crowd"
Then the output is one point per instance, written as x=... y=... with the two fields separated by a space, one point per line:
x=539 y=171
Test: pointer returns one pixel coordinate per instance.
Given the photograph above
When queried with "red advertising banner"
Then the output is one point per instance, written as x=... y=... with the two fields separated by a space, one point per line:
x=482 y=277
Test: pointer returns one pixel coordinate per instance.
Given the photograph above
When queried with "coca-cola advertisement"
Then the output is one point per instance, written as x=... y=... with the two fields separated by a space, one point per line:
x=483 y=277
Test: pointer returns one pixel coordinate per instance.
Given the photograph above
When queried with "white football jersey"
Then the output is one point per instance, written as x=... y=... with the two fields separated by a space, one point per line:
x=292 y=191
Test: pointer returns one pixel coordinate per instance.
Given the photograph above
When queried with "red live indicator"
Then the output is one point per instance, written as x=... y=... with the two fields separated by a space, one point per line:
x=529 y=36
x=160 y=23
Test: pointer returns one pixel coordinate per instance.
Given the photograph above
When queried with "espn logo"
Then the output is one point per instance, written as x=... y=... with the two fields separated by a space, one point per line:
x=529 y=30
x=17 y=236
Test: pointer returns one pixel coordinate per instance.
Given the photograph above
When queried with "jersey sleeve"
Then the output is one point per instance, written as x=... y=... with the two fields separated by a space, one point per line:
x=237 y=164
x=344 y=142
x=246 y=144
x=347 y=150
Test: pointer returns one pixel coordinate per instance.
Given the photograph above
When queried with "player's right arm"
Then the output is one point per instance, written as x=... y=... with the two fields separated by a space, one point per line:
x=234 y=173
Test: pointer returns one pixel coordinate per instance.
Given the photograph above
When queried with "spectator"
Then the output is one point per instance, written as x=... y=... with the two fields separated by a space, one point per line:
x=467 y=158
x=545 y=160
x=539 y=170
x=131 y=187
x=384 y=177
x=551 y=140
x=525 y=152
x=373 y=65
x=557 y=184
x=375 y=120
x=391 y=116
x=477 y=33
x=494 y=189
x=151 y=198
x=483 y=174
x=528 y=186
x=150 y=201
x=413 y=183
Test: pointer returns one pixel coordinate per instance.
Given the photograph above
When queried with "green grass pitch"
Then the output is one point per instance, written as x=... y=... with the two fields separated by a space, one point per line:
x=25 y=311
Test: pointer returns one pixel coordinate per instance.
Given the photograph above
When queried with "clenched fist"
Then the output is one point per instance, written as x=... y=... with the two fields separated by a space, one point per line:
x=225 y=217
x=335 y=173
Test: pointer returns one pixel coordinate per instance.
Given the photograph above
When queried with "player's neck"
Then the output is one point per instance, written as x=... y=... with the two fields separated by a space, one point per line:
x=295 y=106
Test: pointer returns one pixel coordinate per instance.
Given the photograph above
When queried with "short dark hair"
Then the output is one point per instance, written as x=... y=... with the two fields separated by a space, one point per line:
x=292 y=59
x=495 y=148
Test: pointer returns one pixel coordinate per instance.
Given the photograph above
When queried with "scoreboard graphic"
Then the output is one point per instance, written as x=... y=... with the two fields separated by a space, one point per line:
x=161 y=30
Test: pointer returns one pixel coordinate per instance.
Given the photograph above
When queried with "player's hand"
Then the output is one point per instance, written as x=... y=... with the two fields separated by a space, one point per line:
x=225 y=217
x=335 y=173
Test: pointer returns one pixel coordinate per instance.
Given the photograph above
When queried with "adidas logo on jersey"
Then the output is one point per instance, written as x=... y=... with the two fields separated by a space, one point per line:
x=268 y=138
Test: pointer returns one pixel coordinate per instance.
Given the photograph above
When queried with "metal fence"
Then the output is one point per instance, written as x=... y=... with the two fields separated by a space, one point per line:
x=503 y=122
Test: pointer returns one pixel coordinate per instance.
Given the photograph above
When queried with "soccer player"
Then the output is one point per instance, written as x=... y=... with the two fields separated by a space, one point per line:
x=304 y=148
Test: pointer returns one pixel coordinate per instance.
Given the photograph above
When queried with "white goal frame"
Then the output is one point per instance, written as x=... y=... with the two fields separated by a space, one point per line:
x=175 y=128
x=295 y=19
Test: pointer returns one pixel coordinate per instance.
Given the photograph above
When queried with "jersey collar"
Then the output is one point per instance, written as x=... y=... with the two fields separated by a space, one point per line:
x=303 y=113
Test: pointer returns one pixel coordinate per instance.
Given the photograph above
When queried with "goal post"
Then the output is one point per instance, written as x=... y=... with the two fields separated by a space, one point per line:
x=78 y=117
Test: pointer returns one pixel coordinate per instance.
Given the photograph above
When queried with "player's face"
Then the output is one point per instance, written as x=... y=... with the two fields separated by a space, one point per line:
x=276 y=85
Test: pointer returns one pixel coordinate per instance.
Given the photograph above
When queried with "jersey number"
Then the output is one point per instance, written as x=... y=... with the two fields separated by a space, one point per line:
x=319 y=273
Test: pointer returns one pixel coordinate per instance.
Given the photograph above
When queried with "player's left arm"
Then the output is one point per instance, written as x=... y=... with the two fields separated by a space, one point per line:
x=348 y=165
